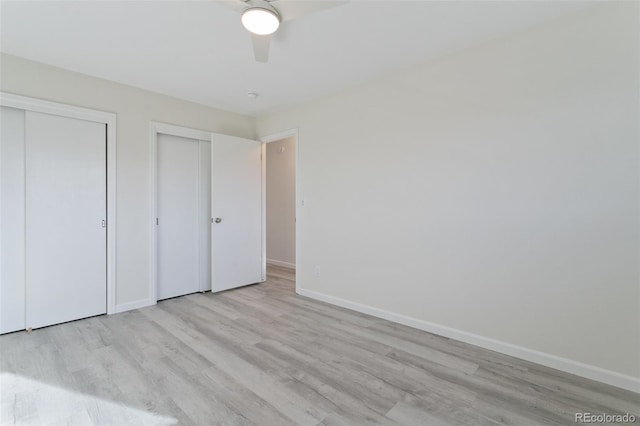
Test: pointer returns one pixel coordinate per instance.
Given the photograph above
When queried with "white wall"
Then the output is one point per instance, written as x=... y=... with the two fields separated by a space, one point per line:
x=281 y=202
x=135 y=108
x=493 y=192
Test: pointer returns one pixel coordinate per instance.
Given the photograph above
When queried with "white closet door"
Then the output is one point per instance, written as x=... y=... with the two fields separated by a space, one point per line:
x=12 y=294
x=177 y=206
x=65 y=209
x=236 y=205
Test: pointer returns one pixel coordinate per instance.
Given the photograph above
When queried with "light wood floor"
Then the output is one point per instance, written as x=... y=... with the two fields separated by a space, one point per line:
x=262 y=355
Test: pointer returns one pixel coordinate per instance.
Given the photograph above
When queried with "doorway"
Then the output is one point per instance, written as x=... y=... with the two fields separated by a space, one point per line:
x=280 y=168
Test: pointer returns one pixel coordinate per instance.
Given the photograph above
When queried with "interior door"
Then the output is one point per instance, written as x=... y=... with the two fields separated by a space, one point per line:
x=66 y=238
x=178 y=227
x=236 y=208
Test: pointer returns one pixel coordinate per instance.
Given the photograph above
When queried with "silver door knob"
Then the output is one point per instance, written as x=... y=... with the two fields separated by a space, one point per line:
x=218 y=220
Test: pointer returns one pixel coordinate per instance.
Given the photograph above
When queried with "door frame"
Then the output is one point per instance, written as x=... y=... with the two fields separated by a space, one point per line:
x=156 y=128
x=109 y=119
x=265 y=140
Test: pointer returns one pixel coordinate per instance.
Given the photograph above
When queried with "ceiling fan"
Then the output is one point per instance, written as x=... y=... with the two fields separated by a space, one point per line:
x=263 y=17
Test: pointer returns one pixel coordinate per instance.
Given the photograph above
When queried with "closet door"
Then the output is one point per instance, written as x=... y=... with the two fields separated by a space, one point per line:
x=65 y=219
x=178 y=235
x=12 y=295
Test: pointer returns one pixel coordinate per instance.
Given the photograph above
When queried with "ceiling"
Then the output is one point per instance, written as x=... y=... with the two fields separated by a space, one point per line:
x=199 y=51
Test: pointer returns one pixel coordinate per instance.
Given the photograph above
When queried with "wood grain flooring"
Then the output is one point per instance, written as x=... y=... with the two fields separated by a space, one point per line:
x=265 y=356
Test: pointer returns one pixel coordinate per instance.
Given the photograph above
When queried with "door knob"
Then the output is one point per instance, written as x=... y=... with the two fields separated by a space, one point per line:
x=218 y=220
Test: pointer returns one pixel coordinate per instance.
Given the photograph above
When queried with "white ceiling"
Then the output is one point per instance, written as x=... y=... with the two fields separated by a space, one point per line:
x=199 y=51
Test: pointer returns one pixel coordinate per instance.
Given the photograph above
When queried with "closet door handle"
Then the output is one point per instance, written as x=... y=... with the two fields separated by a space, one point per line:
x=218 y=220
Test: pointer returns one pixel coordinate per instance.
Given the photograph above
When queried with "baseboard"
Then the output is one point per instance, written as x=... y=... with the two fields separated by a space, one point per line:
x=280 y=263
x=134 y=305
x=563 y=364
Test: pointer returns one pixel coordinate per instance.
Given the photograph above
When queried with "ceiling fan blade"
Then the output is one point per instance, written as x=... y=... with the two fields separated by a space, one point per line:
x=237 y=5
x=261 y=47
x=293 y=9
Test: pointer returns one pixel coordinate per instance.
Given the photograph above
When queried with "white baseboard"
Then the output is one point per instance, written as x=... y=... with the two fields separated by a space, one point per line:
x=280 y=263
x=134 y=305
x=563 y=364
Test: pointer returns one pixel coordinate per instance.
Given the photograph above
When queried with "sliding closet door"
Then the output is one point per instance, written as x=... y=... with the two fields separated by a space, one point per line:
x=12 y=220
x=178 y=228
x=65 y=214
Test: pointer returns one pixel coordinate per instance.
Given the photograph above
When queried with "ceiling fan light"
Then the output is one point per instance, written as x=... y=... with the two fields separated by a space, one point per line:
x=260 y=21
